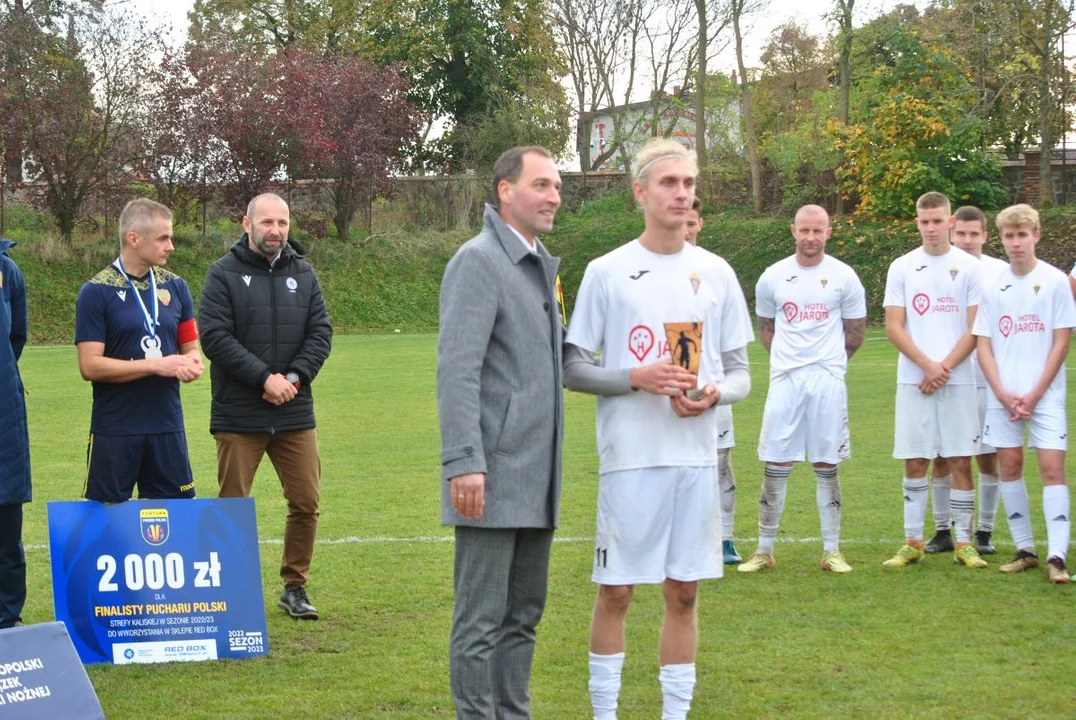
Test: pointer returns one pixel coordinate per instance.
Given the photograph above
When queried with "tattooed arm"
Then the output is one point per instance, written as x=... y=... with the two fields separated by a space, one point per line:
x=766 y=328
x=854 y=330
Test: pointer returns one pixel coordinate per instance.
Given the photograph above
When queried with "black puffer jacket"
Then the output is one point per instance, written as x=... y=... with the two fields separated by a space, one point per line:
x=255 y=321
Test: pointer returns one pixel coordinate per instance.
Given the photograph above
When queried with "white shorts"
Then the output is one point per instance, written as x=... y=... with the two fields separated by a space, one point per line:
x=1047 y=429
x=945 y=424
x=726 y=437
x=805 y=410
x=658 y=523
x=983 y=393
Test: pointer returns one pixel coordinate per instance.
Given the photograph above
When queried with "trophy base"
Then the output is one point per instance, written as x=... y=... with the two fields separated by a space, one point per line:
x=694 y=395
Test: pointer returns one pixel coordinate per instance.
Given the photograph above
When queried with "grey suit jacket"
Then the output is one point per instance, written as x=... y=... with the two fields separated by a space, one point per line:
x=499 y=377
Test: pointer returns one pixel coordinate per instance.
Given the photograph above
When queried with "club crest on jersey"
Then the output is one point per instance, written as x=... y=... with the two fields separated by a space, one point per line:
x=825 y=281
x=154 y=524
x=952 y=272
x=696 y=281
x=921 y=303
x=1005 y=325
x=122 y=294
x=640 y=341
x=1036 y=287
x=164 y=296
x=790 y=310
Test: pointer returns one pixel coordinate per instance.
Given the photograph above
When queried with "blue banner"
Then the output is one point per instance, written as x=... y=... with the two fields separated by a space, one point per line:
x=41 y=677
x=158 y=580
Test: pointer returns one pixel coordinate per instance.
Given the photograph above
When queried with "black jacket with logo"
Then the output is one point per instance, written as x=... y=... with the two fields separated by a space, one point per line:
x=256 y=320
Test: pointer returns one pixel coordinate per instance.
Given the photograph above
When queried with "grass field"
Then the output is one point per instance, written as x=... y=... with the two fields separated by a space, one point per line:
x=934 y=640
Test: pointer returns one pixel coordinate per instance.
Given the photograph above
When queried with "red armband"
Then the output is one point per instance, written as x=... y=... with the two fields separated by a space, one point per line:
x=187 y=332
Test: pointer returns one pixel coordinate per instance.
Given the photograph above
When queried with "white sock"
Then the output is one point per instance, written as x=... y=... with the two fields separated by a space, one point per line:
x=726 y=483
x=604 y=684
x=940 y=487
x=1055 y=505
x=915 y=507
x=1018 y=511
x=963 y=502
x=771 y=503
x=988 y=501
x=677 y=686
x=828 y=497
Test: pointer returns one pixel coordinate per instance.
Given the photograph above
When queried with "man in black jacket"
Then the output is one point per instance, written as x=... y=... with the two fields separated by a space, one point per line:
x=266 y=331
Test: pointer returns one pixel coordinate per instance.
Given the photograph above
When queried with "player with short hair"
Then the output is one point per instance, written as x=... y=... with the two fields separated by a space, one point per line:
x=659 y=517
x=1022 y=333
x=726 y=435
x=931 y=296
x=812 y=316
x=137 y=339
x=970 y=232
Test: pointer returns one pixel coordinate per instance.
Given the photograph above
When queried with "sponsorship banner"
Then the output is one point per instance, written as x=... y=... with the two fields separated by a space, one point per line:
x=150 y=581
x=41 y=676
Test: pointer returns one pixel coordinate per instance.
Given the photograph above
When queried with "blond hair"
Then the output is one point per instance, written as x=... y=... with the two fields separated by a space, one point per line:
x=658 y=149
x=138 y=214
x=1018 y=216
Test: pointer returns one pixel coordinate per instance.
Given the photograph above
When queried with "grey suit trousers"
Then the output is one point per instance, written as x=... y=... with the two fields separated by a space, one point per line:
x=501 y=577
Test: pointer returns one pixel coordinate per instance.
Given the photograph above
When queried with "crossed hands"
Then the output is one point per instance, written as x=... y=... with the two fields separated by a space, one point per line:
x=185 y=368
x=664 y=378
x=935 y=374
x=277 y=390
x=1020 y=407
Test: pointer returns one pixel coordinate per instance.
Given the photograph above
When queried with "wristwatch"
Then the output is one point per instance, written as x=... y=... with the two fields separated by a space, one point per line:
x=293 y=378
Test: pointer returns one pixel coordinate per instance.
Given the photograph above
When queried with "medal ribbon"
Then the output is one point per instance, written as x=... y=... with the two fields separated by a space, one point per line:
x=151 y=323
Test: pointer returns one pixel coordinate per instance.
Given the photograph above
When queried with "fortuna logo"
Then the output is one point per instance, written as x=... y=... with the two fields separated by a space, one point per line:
x=636 y=276
x=791 y=278
x=952 y=272
x=122 y=295
x=1005 y=288
x=825 y=281
x=695 y=282
x=246 y=279
x=921 y=267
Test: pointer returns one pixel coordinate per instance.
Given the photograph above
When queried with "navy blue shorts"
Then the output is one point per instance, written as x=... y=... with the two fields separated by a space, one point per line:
x=157 y=464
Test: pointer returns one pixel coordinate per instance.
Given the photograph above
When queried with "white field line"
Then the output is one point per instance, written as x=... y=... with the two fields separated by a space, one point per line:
x=438 y=539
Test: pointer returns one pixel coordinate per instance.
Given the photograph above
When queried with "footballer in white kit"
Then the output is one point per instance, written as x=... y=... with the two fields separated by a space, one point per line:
x=1023 y=329
x=931 y=296
x=659 y=333
x=812 y=316
x=970 y=233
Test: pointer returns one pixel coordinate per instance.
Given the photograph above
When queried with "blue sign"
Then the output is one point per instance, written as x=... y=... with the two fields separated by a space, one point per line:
x=150 y=581
x=41 y=676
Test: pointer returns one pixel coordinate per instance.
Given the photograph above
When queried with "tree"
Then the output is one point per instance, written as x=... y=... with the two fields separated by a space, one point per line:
x=738 y=11
x=358 y=122
x=843 y=16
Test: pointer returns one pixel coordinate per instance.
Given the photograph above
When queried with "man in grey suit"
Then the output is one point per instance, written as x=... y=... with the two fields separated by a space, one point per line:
x=500 y=403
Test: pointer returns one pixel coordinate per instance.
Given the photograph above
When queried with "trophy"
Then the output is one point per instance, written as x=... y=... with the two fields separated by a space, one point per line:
x=685 y=349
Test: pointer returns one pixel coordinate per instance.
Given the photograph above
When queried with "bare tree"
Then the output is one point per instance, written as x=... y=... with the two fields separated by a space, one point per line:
x=843 y=15
x=738 y=11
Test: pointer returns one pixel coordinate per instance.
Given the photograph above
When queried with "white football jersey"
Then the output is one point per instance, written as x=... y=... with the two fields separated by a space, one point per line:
x=992 y=269
x=935 y=292
x=631 y=307
x=809 y=306
x=1019 y=315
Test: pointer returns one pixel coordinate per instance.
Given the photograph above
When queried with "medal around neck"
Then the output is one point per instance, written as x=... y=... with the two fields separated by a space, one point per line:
x=151 y=346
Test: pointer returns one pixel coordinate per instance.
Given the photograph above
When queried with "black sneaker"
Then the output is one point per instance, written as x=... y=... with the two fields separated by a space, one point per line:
x=941 y=542
x=295 y=602
x=983 y=544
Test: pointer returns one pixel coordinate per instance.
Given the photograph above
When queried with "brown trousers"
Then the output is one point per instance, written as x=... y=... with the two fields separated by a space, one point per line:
x=295 y=457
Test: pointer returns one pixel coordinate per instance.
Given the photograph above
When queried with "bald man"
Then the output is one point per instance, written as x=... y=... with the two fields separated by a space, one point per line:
x=267 y=333
x=812 y=314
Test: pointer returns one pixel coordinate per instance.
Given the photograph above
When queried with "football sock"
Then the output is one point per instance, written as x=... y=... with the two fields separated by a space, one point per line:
x=1055 y=505
x=940 y=487
x=604 y=684
x=915 y=507
x=963 y=502
x=771 y=503
x=988 y=501
x=677 y=686
x=1017 y=510
x=828 y=497
x=726 y=483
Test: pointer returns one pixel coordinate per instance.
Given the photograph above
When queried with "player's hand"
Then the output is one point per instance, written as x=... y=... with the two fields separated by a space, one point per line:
x=685 y=407
x=193 y=369
x=1024 y=405
x=469 y=494
x=1011 y=402
x=935 y=374
x=172 y=366
x=277 y=390
x=662 y=378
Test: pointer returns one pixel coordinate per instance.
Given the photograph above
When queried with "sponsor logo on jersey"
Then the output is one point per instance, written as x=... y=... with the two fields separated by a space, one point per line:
x=791 y=311
x=921 y=268
x=638 y=275
x=696 y=281
x=640 y=341
x=1027 y=323
x=791 y=279
x=1006 y=287
x=921 y=303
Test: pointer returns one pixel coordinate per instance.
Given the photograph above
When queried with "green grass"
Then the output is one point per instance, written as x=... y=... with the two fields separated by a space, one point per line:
x=934 y=640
